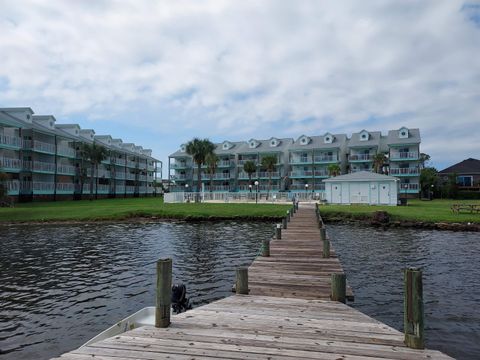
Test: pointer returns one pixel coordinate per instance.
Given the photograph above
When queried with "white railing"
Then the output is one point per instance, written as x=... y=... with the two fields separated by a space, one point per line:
x=43 y=186
x=217 y=188
x=66 y=151
x=179 y=165
x=300 y=160
x=409 y=187
x=40 y=166
x=13 y=186
x=103 y=174
x=13 y=141
x=130 y=189
x=131 y=164
x=142 y=189
x=151 y=167
x=216 y=176
x=65 y=187
x=260 y=188
x=265 y=174
x=130 y=176
x=103 y=188
x=38 y=145
x=360 y=157
x=357 y=170
x=242 y=162
x=65 y=169
x=322 y=158
x=301 y=187
x=179 y=177
x=404 y=171
x=10 y=163
x=404 y=155
x=120 y=162
x=308 y=173
x=181 y=197
x=120 y=175
x=142 y=177
x=120 y=189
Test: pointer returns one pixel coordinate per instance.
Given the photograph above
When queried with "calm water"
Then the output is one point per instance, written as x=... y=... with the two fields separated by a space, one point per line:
x=60 y=285
x=374 y=259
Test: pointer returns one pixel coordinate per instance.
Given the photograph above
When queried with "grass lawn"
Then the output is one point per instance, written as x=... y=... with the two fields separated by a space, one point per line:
x=417 y=210
x=116 y=209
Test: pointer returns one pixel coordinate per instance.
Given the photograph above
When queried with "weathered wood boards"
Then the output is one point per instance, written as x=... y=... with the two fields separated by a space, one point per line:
x=300 y=264
x=255 y=327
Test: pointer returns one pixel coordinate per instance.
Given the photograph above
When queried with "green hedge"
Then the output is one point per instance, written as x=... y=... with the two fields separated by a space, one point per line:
x=469 y=195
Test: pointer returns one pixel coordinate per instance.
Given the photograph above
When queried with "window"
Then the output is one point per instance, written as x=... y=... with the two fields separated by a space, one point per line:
x=465 y=180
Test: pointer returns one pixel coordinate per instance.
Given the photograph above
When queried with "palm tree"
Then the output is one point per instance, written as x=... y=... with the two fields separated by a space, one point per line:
x=378 y=161
x=333 y=170
x=95 y=154
x=211 y=160
x=199 y=149
x=249 y=167
x=269 y=163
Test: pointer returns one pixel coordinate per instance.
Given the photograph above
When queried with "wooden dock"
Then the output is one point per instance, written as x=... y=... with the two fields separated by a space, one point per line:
x=295 y=321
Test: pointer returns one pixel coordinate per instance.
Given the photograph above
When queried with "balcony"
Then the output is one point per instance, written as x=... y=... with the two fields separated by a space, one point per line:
x=10 y=164
x=402 y=156
x=409 y=188
x=65 y=169
x=360 y=157
x=308 y=174
x=39 y=167
x=119 y=162
x=222 y=188
x=301 y=160
x=130 y=176
x=243 y=161
x=266 y=175
x=43 y=187
x=216 y=176
x=120 y=175
x=129 y=189
x=142 y=189
x=325 y=159
x=39 y=146
x=404 y=171
x=151 y=167
x=65 y=188
x=179 y=177
x=66 y=151
x=13 y=187
x=131 y=164
x=181 y=165
x=142 y=177
x=244 y=175
x=301 y=187
x=10 y=142
x=119 y=189
x=260 y=188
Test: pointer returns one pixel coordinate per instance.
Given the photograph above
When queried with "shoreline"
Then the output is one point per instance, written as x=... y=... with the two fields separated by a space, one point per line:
x=371 y=220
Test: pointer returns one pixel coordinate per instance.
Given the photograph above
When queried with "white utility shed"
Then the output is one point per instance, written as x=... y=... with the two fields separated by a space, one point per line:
x=363 y=187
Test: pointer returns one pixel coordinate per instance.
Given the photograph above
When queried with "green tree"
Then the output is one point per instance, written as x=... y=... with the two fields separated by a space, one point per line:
x=94 y=154
x=428 y=180
x=424 y=159
x=333 y=170
x=199 y=149
x=250 y=168
x=269 y=163
x=211 y=160
x=451 y=186
x=378 y=161
x=3 y=185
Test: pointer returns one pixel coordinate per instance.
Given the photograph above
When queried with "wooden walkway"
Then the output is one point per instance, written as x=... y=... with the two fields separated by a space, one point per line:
x=295 y=267
x=292 y=323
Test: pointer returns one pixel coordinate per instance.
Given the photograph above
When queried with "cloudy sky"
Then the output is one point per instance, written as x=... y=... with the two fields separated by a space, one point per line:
x=158 y=73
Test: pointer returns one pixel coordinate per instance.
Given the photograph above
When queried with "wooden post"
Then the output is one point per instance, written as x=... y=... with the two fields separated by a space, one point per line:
x=413 y=315
x=339 y=287
x=164 y=293
x=284 y=222
x=278 y=231
x=288 y=215
x=326 y=248
x=292 y=211
x=323 y=233
x=241 y=286
x=266 y=247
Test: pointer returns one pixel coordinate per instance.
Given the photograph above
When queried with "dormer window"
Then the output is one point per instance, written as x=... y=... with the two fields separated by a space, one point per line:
x=274 y=142
x=328 y=138
x=28 y=116
x=182 y=147
x=403 y=133
x=252 y=144
x=226 y=145
x=76 y=132
x=304 y=140
x=51 y=124
x=364 y=135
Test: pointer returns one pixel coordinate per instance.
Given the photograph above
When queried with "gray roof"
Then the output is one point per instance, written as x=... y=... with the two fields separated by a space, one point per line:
x=394 y=139
x=362 y=176
x=373 y=140
x=318 y=142
x=264 y=146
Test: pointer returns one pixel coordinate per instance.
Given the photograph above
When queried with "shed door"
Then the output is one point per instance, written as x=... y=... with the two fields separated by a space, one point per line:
x=336 y=193
x=359 y=193
x=384 y=190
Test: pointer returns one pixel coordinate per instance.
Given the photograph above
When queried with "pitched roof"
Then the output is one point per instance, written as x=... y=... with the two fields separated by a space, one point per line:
x=374 y=139
x=318 y=142
x=362 y=176
x=393 y=137
x=468 y=166
x=264 y=146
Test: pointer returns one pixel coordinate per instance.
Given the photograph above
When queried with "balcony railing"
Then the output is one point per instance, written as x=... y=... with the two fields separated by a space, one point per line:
x=180 y=165
x=404 y=171
x=130 y=176
x=39 y=146
x=120 y=189
x=142 y=178
x=179 y=177
x=361 y=157
x=217 y=188
x=301 y=160
x=260 y=188
x=66 y=151
x=65 y=169
x=13 y=187
x=120 y=162
x=265 y=174
x=298 y=187
x=131 y=164
x=120 y=175
x=39 y=166
x=151 y=167
x=361 y=169
x=404 y=187
x=43 y=186
x=65 y=187
x=10 y=163
x=130 y=189
x=216 y=176
x=244 y=175
x=142 y=189
x=413 y=155
x=242 y=162
x=325 y=158
x=308 y=174
x=11 y=141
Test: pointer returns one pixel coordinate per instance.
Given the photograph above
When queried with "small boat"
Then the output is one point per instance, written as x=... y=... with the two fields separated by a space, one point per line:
x=145 y=316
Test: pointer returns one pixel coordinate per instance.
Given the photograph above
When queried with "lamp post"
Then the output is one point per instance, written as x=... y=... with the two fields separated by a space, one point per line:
x=431 y=191
x=256 y=194
x=405 y=186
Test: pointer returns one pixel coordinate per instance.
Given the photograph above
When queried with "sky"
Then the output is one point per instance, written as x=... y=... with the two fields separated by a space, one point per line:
x=158 y=73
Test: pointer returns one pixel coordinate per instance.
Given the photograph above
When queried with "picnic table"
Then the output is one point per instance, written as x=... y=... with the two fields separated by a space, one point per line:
x=457 y=208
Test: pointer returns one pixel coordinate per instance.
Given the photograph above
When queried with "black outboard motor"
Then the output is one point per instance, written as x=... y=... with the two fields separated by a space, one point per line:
x=180 y=302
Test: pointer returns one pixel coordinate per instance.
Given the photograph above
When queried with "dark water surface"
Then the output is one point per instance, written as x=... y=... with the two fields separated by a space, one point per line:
x=61 y=285
x=374 y=258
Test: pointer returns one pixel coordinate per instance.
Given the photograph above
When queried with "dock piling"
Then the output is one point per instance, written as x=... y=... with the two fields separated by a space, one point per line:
x=326 y=248
x=323 y=233
x=241 y=286
x=413 y=314
x=278 y=231
x=284 y=222
x=339 y=287
x=164 y=293
x=266 y=247
x=288 y=215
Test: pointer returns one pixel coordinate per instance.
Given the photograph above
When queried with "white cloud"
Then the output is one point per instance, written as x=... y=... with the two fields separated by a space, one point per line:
x=239 y=68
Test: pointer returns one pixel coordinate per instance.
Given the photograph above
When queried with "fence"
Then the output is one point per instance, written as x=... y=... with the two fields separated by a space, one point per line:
x=273 y=197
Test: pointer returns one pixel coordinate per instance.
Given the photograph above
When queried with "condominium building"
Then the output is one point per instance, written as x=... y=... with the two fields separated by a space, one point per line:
x=303 y=163
x=43 y=160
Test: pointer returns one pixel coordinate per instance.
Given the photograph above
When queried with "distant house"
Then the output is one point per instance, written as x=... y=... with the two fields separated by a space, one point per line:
x=467 y=172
